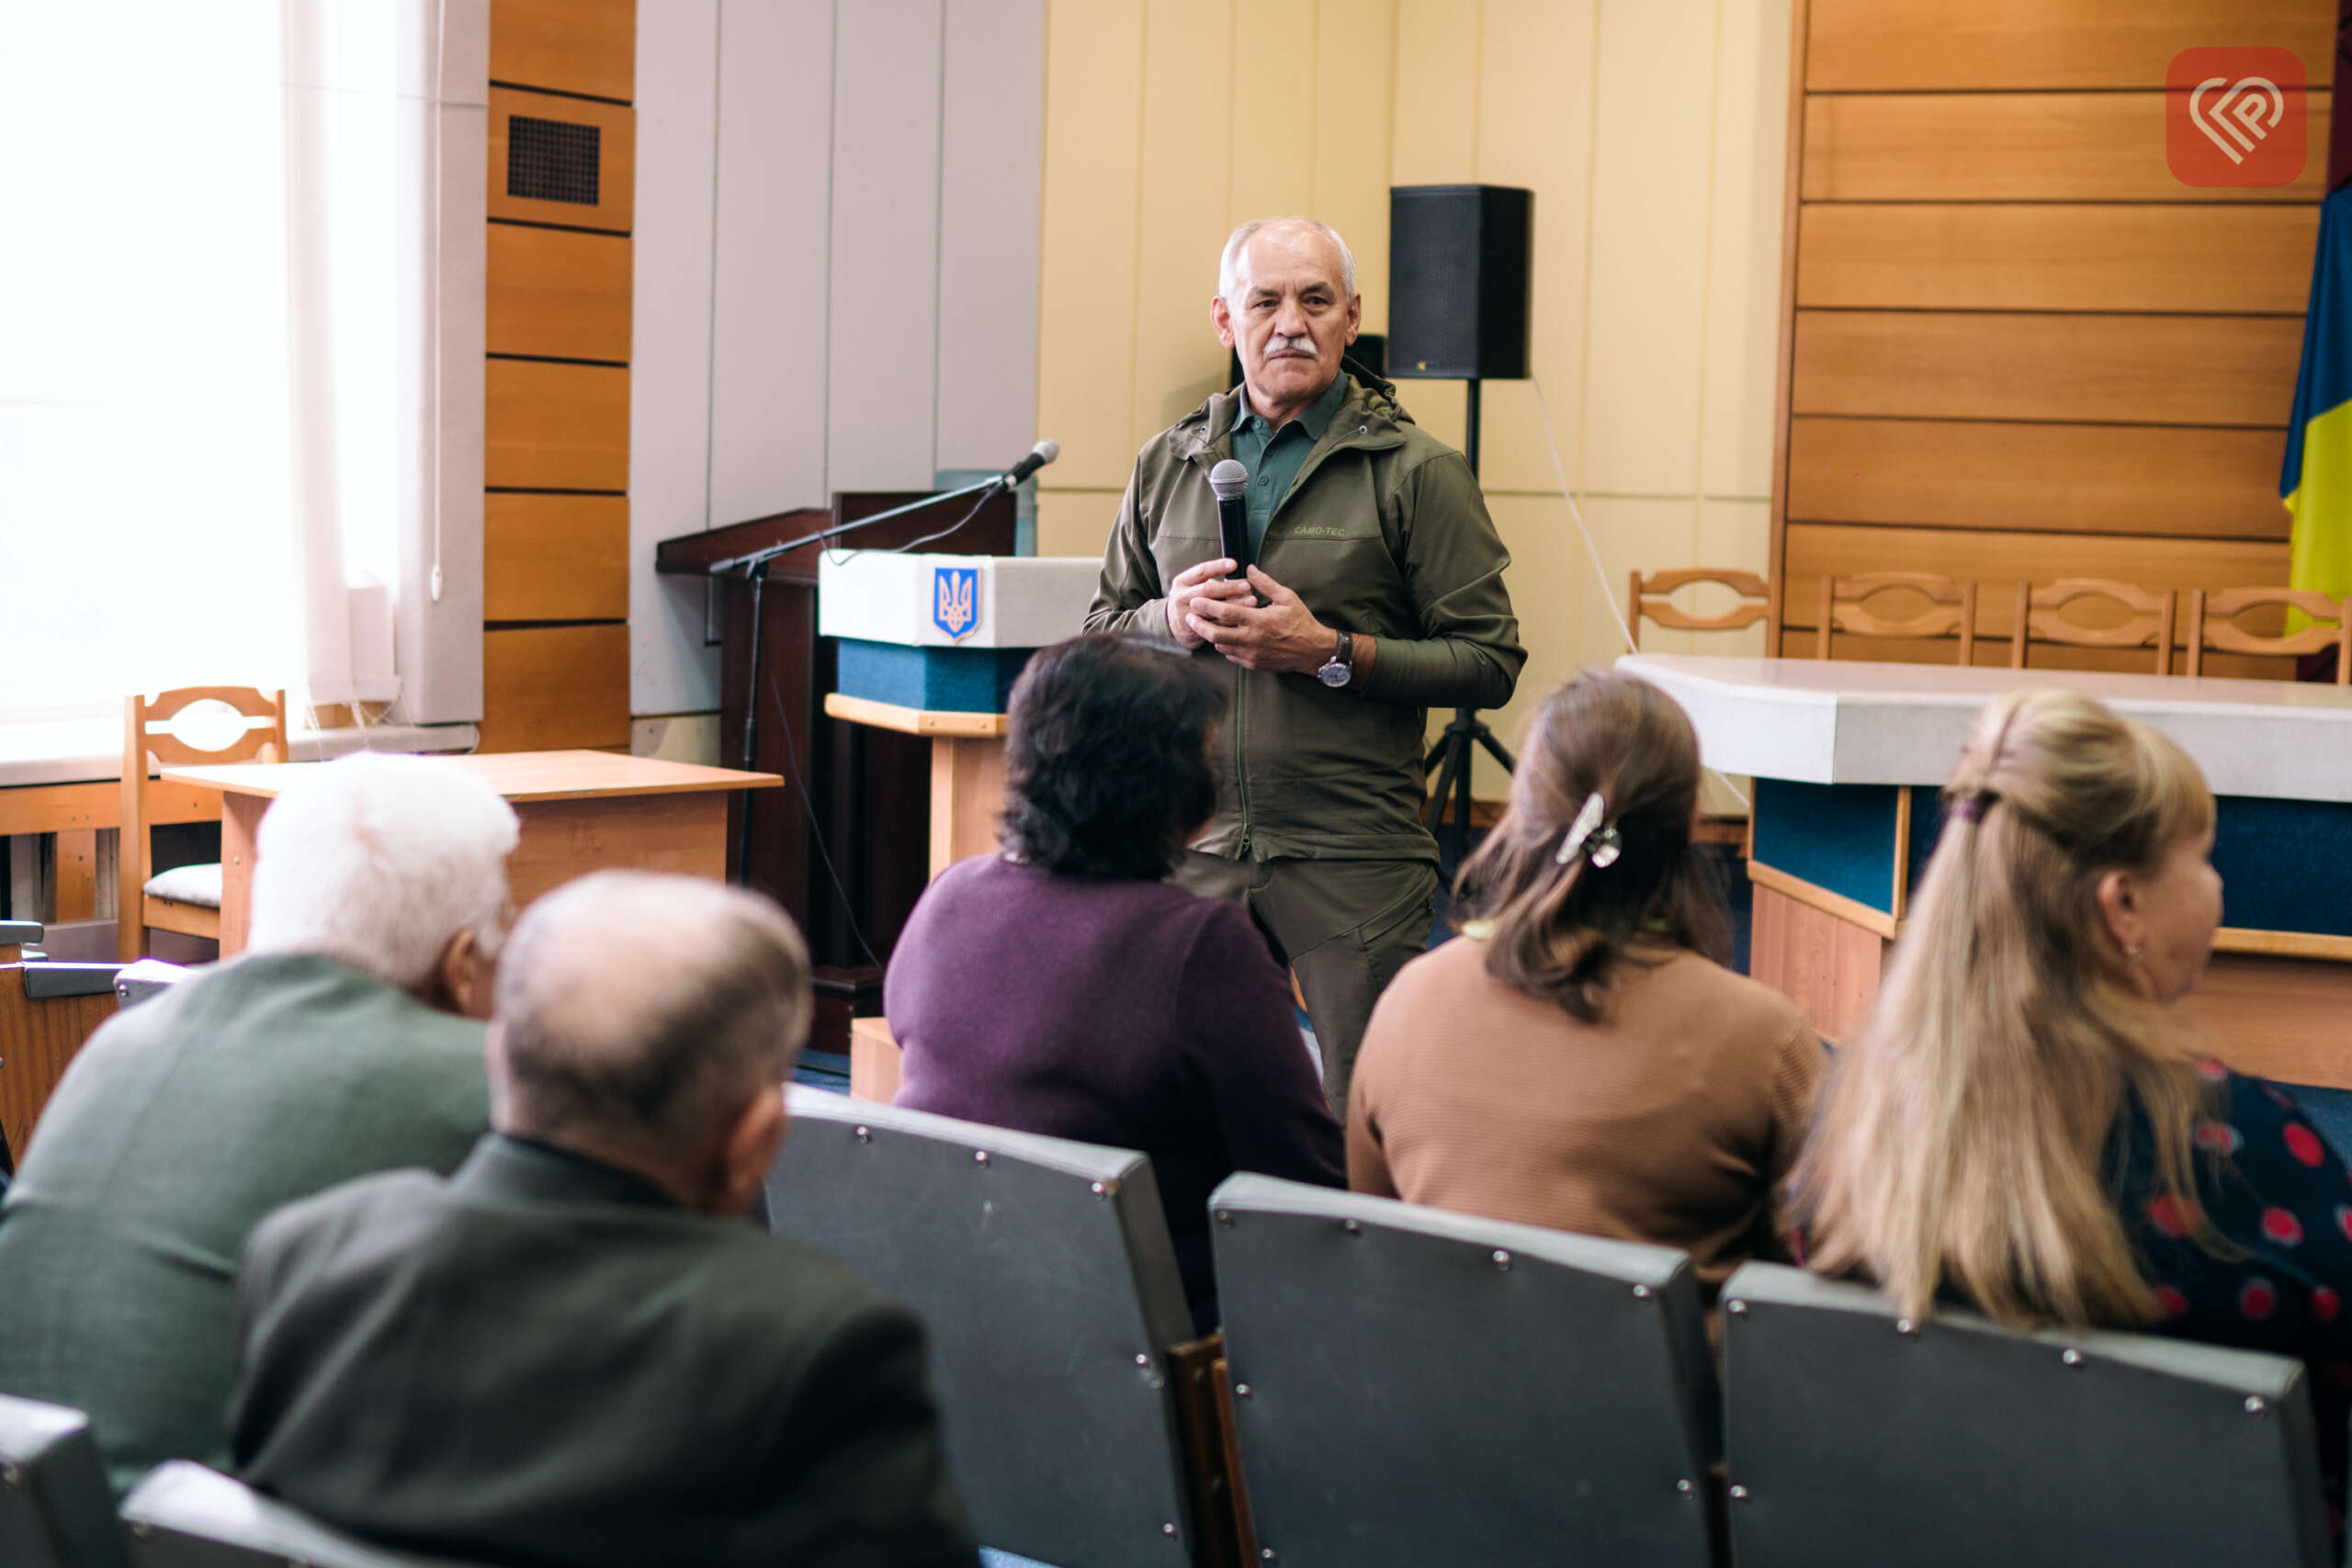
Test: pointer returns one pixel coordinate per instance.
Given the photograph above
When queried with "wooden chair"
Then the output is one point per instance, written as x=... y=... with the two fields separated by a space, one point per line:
x=2044 y=613
x=1952 y=609
x=2225 y=635
x=1648 y=597
x=189 y=899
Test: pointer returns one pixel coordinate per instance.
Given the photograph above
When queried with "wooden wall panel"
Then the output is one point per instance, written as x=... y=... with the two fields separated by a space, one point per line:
x=554 y=688
x=2235 y=371
x=2193 y=482
x=1922 y=45
x=2024 y=257
x=2014 y=147
x=565 y=46
x=555 y=426
x=616 y=204
x=558 y=294
x=555 y=558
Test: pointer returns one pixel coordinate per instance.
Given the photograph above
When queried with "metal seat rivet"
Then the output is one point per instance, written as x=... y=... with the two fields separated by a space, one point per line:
x=13 y=1476
x=1503 y=1259
x=1641 y=1293
x=865 y=1135
x=2071 y=1357
x=1224 y=1218
x=1099 y=1190
x=1142 y=1359
x=1265 y=1554
x=142 y=1528
x=2254 y=1404
x=1737 y=1309
x=1904 y=1326
x=1685 y=1487
x=979 y=1156
x=1168 y=1530
x=1241 y=1391
x=1352 y=1227
x=1739 y=1494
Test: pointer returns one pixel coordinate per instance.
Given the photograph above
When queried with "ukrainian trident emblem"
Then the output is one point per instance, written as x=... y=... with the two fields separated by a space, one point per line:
x=955 y=600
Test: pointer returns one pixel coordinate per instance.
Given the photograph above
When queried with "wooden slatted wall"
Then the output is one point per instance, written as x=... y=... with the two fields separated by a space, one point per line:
x=555 y=522
x=2013 y=345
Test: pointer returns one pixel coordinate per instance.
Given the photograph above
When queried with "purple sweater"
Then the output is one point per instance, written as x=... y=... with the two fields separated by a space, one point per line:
x=1120 y=1012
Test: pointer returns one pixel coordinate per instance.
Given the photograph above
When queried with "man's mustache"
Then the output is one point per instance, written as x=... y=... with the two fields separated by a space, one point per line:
x=1279 y=345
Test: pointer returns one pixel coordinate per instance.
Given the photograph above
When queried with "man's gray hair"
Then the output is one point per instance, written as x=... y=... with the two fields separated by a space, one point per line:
x=377 y=861
x=648 y=1009
x=1228 y=263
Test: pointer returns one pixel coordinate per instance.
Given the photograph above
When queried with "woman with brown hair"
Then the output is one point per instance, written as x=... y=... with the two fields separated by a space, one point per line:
x=2023 y=1125
x=1580 y=1058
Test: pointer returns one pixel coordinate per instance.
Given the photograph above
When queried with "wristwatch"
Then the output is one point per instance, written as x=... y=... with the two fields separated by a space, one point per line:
x=1338 y=670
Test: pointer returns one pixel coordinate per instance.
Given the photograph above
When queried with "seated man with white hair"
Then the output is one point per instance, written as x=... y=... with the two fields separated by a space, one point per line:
x=346 y=1039
x=573 y=1350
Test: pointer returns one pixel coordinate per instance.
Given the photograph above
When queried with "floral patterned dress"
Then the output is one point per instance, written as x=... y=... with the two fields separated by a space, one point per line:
x=2282 y=1199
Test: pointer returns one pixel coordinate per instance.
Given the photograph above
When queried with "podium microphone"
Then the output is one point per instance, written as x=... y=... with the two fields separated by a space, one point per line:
x=1040 y=455
x=1230 y=481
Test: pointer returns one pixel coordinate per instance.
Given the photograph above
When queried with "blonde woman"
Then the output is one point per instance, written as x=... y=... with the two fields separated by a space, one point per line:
x=1580 y=1058
x=2024 y=1125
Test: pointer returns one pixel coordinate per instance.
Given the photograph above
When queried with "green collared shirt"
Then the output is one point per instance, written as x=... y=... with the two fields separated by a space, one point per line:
x=1274 y=457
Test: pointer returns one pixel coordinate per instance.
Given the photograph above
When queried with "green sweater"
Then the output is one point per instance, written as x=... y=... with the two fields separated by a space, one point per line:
x=178 y=1127
x=1384 y=532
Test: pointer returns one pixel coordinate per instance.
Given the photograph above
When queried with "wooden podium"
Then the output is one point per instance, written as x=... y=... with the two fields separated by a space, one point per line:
x=867 y=791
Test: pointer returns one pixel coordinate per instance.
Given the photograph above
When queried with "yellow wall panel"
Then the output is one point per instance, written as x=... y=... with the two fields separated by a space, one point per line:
x=1355 y=73
x=1436 y=124
x=1188 y=112
x=1275 y=91
x=1075 y=522
x=1086 y=273
x=1743 y=254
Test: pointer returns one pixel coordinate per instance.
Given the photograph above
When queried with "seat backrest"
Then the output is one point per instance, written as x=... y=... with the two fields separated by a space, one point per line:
x=1647 y=598
x=2052 y=613
x=2328 y=624
x=1859 y=1438
x=183 y=1515
x=1417 y=1387
x=1854 y=605
x=143 y=745
x=1043 y=1271
x=56 y=1510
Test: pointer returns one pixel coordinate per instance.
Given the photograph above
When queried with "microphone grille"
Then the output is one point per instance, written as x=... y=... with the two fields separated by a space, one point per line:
x=1046 y=450
x=1228 y=479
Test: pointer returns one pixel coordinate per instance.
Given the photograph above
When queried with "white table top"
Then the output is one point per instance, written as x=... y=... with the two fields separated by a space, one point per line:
x=1815 y=721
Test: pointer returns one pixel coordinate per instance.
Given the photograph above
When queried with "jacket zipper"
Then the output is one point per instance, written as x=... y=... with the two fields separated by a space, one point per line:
x=1242 y=751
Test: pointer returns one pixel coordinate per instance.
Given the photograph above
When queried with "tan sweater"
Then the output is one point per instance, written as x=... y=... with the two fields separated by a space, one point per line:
x=1671 y=1121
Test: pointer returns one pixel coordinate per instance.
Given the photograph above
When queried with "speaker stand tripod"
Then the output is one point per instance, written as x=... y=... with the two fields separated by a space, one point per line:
x=1454 y=750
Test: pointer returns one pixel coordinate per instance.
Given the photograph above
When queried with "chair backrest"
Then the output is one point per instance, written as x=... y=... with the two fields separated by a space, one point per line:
x=56 y=1510
x=184 y=1516
x=1859 y=1438
x=1417 y=1387
x=1951 y=609
x=2330 y=626
x=143 y=745
x=1043 y=1271
x=2050 y=613
x=1646 y=598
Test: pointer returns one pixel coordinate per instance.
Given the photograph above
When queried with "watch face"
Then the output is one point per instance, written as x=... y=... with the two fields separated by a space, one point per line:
x=1334 y=674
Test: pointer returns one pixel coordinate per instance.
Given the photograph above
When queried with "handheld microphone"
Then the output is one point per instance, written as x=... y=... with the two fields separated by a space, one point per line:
x=1230 y=481
x=1040 y=455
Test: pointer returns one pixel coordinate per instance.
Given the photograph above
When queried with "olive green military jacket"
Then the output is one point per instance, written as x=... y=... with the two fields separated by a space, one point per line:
x=1384 y=532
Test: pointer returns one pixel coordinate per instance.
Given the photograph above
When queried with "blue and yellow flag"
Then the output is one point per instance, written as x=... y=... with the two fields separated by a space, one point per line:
x=2316 y=481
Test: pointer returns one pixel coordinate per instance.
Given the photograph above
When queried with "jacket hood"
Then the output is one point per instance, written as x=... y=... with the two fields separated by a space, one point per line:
x=1370 y=402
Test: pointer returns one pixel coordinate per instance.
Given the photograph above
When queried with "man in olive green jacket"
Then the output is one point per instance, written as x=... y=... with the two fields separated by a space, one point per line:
x=1376 y=594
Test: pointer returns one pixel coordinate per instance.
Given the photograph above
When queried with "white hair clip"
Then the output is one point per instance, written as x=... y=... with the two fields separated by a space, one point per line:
x=1599 y=847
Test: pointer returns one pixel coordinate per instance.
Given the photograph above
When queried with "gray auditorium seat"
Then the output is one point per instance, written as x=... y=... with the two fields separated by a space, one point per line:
x=184 y=1516
x=1414 y=1387
x=1043 y=1271
x=55 y=1508
x=1856 y=1438
x=144 y=978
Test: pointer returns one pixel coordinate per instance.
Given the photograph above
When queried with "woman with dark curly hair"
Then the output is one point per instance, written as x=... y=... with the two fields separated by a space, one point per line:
x=1065 y=988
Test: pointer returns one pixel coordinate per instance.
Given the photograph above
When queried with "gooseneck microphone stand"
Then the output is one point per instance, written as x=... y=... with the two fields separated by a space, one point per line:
x=754 y=565
x=1455 y=750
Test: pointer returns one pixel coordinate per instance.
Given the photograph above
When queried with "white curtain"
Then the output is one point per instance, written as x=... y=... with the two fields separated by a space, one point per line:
x=215 y=320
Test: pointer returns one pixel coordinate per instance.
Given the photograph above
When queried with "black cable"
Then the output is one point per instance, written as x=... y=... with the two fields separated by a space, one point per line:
x=928 y=538
x=816 y=833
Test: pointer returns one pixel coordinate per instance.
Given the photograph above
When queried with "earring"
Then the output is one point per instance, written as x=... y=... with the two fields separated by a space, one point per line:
x=2132 y=952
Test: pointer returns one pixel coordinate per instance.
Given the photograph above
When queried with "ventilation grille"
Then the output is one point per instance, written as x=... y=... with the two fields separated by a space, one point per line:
x=552 y=160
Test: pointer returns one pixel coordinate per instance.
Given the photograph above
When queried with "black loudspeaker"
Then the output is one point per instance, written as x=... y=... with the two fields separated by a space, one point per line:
x=1369 y=351
x=1458 y=270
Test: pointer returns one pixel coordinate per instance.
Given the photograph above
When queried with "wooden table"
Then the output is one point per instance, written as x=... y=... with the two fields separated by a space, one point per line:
x=579 y=811
x=1848 y=757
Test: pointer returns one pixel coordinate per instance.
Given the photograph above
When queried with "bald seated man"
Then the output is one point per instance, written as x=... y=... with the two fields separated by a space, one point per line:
x=346 y=1039
x=575 y=1351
